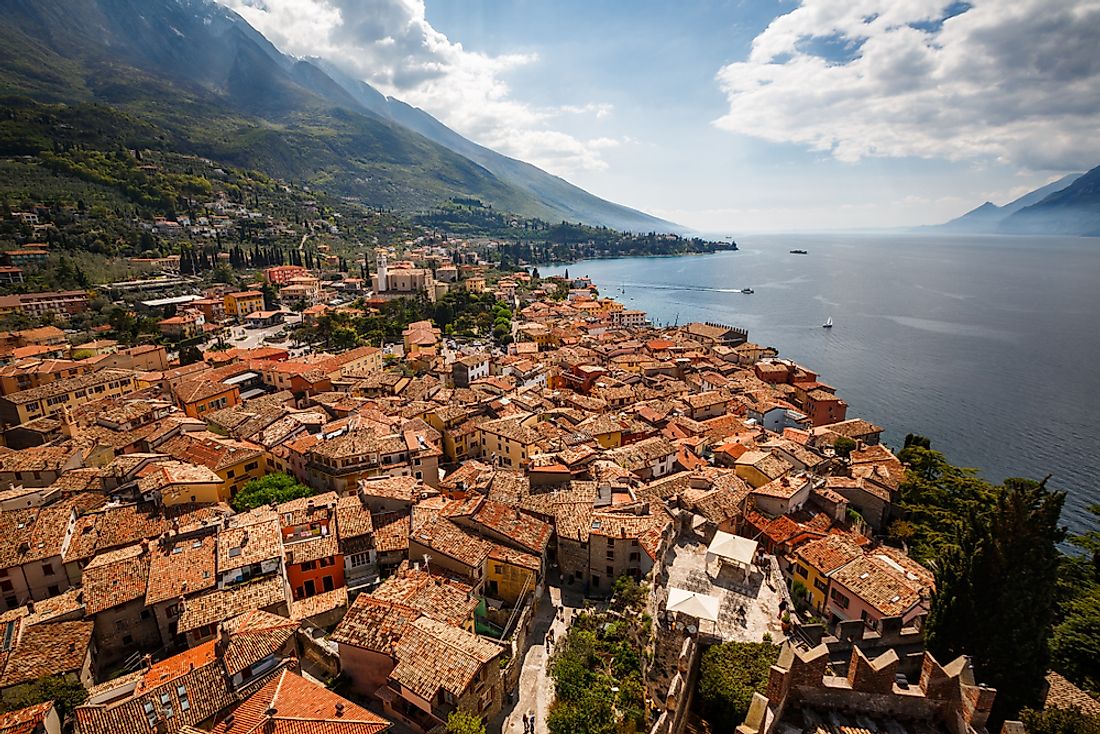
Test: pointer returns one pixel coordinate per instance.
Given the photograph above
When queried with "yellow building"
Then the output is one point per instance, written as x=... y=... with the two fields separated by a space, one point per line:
x=182 y=483
x=419 y=336
x=240 y=304
x=201 y=396
x=816 y=561
x=509 y=574
x=511 y=440
x=68 y=393
x=607 y=431
x=235 y=463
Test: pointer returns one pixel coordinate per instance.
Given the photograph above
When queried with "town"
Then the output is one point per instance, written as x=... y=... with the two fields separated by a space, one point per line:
x=271 y=511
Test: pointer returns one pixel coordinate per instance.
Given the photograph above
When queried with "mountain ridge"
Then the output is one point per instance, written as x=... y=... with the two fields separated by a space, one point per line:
x=220 y=89
x=988 y=217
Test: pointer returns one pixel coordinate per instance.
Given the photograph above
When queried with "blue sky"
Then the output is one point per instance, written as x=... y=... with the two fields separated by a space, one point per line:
x=741 y=115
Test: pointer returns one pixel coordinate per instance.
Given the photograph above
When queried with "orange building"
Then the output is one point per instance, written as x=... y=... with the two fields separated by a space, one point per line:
x=314 y=564
x=282 y=274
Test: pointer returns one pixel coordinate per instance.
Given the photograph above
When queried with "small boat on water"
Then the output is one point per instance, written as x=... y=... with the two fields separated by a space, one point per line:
x=748 y=291
x=799 y=252
x=828 y=323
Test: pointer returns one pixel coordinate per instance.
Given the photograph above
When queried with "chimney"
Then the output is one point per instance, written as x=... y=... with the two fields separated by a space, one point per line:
x=339 y=709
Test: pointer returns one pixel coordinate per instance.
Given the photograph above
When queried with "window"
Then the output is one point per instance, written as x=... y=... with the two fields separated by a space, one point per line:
x=309 y=566
x=54 y=590
x=127 y=639
x=150 y=714
x=868 y=619
x=250 y=466
x=229 y=474
x=166 y=704
x=360 y=559
x=820 y=585
x=5 y=585
x=800 y=570
x=498 y=569
x=839 y=599
x=610 y=572
x=185 y=703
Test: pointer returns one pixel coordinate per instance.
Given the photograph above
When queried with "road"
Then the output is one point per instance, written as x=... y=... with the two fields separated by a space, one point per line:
x=536 y=688
x=245 y=338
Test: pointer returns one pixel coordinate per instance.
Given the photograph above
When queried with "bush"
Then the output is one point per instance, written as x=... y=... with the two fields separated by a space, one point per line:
x=65 y=693
x=730 y=674
x=277 y=487
x=463 y=722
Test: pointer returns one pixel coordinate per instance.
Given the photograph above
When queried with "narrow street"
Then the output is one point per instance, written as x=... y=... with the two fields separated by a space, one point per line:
x=535 y=692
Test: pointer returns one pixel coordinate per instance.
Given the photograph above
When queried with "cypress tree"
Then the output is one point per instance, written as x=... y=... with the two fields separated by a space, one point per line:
x=996 y=592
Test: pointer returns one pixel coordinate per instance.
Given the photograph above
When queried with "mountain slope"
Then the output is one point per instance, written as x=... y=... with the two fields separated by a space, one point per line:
x=986 y=218
x=1074 y=210
x=572 y=201
x=219 y=89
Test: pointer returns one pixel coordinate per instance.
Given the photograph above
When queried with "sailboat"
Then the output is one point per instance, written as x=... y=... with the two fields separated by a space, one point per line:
x=828 y=323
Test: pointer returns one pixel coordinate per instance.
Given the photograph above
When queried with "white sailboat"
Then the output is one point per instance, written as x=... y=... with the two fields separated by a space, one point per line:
x=828 y=323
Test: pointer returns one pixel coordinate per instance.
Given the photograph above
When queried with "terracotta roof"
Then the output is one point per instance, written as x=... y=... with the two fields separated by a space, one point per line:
x=114 y=578
x=27 y=720
x=443 y=599
x=1062 y=694
x=391 y=531
x=300 y=707
x=181 y=566
x=218 y=605
x=433 y=656
x=829 y=553
x=374 y=624
x=443 y=536
x=47 y=649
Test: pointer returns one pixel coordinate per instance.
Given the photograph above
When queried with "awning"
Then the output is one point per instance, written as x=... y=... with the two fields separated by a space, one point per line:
x=732 y=548
x=693 y=604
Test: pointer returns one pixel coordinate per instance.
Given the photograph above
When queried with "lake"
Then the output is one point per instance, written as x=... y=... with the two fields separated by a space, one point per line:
x=990 y=346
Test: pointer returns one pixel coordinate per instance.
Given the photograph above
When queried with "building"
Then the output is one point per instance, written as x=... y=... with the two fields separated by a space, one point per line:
x=282 y=274
x=65 y=394
x=186 y=325
x=262 y=319
x=25 y=258
x=202 y=395
x=10 y=275
x=238 y=305
x=61 y=304
x=466 y=370
x=813 y=563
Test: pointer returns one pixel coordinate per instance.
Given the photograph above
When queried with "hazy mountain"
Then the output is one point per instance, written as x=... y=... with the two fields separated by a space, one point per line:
x=216 y=87
x=552 y=190
x=1073 y=210
x=987 y=218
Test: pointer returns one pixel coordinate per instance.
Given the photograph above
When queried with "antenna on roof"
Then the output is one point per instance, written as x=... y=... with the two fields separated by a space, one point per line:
x=427 y=559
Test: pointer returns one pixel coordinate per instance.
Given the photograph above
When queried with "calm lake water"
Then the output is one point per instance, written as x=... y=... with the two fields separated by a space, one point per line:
x=988 y=345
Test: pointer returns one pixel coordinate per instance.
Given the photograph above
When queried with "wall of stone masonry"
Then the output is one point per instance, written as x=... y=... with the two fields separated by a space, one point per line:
x=907 y=642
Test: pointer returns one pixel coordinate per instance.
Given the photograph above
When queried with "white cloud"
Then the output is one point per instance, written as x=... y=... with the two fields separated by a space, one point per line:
x=391 y=45
x=1017 y=81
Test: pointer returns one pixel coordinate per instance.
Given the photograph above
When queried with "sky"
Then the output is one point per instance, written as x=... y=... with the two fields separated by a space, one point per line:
x=733 y=116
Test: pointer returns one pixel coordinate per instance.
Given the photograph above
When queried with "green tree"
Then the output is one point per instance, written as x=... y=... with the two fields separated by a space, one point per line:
x=628 y=592
x=995 y=594
x=276 y=487
x=463 y=722
x=728 y=676
x=844 y=447
x=1074 y=644
x=66 y=694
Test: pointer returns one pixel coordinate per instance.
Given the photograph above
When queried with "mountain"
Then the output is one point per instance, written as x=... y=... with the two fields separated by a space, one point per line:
x=213 y=86
x=987 y=218
x=576 y=203
x=1074 y=210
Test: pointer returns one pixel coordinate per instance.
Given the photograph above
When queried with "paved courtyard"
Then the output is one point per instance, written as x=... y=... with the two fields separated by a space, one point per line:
x=749 y=606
